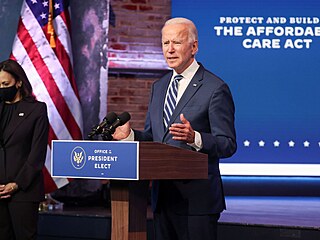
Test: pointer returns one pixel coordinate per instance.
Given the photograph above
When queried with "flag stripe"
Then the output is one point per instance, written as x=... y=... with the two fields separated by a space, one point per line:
x=64 y=45
x=62 y=31
x=65 y=62
x=49 y=182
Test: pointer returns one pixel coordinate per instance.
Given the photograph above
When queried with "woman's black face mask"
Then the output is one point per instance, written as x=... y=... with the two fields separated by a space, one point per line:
x=8 y=93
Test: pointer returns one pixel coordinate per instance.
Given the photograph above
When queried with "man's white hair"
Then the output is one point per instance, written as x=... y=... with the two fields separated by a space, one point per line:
x=193 y=32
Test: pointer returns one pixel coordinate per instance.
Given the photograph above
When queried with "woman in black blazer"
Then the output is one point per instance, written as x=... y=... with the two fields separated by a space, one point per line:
x=24 y=130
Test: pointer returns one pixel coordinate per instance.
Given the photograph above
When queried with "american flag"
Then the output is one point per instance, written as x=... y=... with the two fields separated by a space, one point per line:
x=43 y=47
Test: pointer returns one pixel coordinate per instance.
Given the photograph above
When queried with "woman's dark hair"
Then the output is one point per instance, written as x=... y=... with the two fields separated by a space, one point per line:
x=14 y=68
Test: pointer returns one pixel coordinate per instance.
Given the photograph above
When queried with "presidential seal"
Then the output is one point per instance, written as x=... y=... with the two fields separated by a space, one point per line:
x=78 y=157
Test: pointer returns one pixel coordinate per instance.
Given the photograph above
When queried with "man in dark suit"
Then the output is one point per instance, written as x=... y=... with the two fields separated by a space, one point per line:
x=202 y=120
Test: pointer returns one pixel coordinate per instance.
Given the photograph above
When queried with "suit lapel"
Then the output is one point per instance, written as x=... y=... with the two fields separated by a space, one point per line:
x=1 y=108
x=21 y=113
x=160 y=97
x=192 y=88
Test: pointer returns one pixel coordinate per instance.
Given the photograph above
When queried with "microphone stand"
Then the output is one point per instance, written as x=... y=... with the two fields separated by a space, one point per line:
x=106 y=135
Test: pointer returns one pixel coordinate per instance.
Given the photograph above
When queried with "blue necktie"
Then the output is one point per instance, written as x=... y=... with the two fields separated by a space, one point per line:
x=171 y=100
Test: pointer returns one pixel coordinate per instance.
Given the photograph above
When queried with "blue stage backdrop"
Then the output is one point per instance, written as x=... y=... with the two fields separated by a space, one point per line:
x=268 y=51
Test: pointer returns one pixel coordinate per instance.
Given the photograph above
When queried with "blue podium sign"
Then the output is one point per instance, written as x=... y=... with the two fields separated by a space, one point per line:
x=95 y=159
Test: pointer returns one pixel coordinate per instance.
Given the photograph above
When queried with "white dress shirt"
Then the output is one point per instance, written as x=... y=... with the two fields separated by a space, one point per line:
x=187 y=77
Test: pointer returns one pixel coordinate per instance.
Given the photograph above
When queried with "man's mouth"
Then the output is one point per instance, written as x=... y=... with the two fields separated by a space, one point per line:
x=172 y=58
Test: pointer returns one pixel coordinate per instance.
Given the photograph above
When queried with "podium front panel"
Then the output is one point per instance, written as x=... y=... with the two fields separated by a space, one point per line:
x=95 y=159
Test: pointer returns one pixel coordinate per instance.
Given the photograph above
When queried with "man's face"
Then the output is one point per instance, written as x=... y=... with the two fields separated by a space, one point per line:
x=177 y=48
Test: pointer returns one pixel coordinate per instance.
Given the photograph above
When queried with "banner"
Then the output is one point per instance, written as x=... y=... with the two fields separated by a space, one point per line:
x=268 y=53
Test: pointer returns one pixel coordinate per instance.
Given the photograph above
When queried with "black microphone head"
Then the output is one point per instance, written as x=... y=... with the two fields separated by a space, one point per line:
x=121 y=119
x=110 y=118
x=124 y=117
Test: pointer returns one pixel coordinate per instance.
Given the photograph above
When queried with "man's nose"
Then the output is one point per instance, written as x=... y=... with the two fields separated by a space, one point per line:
x=171 y=47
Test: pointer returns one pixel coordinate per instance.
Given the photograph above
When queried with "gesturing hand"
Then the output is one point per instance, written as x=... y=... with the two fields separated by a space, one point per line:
x=182 y=131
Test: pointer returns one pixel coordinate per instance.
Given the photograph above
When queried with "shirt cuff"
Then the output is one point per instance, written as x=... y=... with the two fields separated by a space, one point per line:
x=130 y=137
x=197 y=145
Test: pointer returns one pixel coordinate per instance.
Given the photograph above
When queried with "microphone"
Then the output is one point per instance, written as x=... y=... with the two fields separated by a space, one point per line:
x=109 y=119
x=120 y=120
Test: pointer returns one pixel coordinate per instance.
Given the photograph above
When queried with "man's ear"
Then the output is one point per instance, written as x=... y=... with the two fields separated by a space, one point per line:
x=195 y=47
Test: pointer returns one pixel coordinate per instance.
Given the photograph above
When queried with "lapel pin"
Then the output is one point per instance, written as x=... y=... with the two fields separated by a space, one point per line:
x=21 y=114
x=195 y=84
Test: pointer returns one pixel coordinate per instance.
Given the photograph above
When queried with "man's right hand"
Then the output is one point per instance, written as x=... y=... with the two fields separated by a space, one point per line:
x=122 y=132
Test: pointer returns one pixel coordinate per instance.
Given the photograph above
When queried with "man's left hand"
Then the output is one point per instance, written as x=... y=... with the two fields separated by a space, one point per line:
x=182 y=131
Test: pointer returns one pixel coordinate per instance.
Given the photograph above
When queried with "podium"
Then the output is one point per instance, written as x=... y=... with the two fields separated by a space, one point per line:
x=129 y=198
x=129 y=166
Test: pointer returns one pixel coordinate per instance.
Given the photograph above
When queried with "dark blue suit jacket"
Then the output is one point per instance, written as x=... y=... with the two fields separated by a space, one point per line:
x=208 y=105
